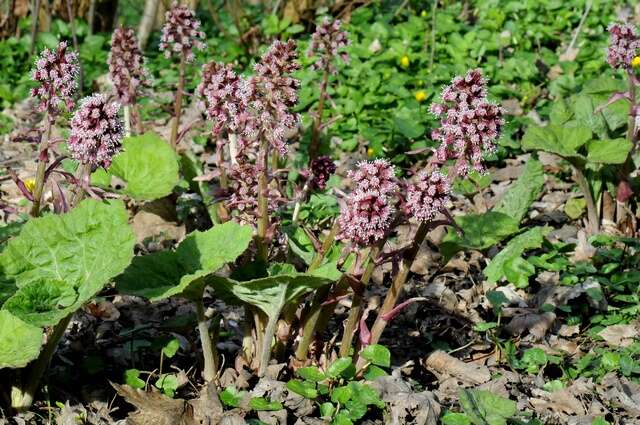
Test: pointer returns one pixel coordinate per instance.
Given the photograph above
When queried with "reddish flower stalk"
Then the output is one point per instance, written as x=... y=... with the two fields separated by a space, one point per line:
x=180 y=35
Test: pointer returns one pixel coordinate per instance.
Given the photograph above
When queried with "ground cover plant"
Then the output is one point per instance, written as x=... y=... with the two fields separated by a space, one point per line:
x=345 y=212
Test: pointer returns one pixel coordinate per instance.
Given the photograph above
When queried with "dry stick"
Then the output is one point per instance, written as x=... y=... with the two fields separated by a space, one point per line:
x=72 y=23
x=22 y=398
x=432 y=54
x=396 y=286
x=209 y=351
x=42 y=167
x=175 y=125
x=146 y=22
x=580 y=24
x=91 y=15
x=356 y=304
x=309 y=327
x=314 y=146
x=34 y=26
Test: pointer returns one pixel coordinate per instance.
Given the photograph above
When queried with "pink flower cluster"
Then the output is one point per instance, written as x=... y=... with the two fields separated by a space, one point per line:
x=327 y=43
x=181 y=33
x=244 y=193
x=623 y=45
x=126 y=65
x=321 y=169
x=428 y=195
x=224 y=98
x=271 y=94
x=369 y=209
x=55 y=71
x=96 y=131
x=469 y=124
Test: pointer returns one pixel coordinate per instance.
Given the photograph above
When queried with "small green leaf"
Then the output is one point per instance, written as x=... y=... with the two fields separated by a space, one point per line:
x=337 y=367
x=132 y=379
x=374 y=372
x=342 y=418
x=341 y=394
x=451 y=418
x=377 y=354
x=311 y=373
x=530 y=239
x=305 y=389
x=168 y=383
x=486 y=408
x=171 y=348
x=575 y=207
x=261 y=404
x=327 y=409
x=518 y=271
x=516 y=201
x=232 y=397
x=484 y=326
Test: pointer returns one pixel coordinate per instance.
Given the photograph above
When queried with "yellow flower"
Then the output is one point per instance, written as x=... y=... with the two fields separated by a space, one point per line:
x=421 y=96
x=30 y=184
x=635 y=62
x=404 y=61
x=423 y=13
x=370 y=152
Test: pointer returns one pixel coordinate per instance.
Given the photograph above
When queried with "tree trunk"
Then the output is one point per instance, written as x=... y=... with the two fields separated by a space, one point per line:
x=147 y=21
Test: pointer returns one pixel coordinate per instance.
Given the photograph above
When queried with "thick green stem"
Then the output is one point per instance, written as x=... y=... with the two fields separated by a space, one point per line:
x=263 y=204
x=209 y=351
x=397 y=285
x=314 y=146
x=127 y=120
x=592 y=210
x=309 y=327
x=356 y=305
x=22 y=397
x=267 y=339
x=42 y=167
x=178 y=104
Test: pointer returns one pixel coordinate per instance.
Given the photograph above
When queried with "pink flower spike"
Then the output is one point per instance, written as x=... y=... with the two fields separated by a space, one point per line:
x=327 y=44
x=181 y=33
x=223 y=94
x=126 y=65
x=623 y=45
x=96 y=132
x=428 y=195
x=55 y=72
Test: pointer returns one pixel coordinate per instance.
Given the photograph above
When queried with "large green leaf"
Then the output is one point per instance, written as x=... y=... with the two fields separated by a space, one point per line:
x=564 y=140
x=270 y=294
x=519 y=197
x=148 y=166
x=486 y=408
x=164 y=274
x=609 y=151
x=59 y=262
x=532 y=238
x=20 y=342
x=479 y=232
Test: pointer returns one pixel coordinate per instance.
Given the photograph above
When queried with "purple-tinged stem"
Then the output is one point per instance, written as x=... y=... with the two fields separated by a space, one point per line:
x=42 y=167
x=178 y=103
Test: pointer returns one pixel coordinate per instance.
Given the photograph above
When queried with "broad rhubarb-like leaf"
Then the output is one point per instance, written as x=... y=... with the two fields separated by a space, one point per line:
x=20 y=342
x=524 y=192
x=59 y=262
x=181 y=272
x=148 y=166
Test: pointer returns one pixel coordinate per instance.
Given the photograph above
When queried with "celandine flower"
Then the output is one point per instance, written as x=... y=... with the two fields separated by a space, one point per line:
x=469 y=124
x=366 y=216
x=181 y=33
x=126 y=65
x=623 y=45
x=321 y=169
x=96 y=131
x=427 y=196
x=271 y=93
x=224 y=97
x=327 y=43
x=55 y=71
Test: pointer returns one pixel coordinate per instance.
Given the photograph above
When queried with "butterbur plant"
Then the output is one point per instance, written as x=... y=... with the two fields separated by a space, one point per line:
x=181 y=34
x=127 y=73
x=55 y=74
x=595 y=131
x=328 y=43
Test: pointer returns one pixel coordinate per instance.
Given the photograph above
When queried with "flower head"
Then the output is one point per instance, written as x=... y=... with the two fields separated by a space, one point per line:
x=181 y=33
x=623 y=45
x=328 y=42
x=272 y=93
x=427 y=195
x=635 y=62
x=321 y=169
x=55 y=71
x=469 y=123
x=405 y=61
x=96 y=131
x=244 y=194
x=223 y=94
x=366 y=216
x=421 y=96
x=126 y=65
